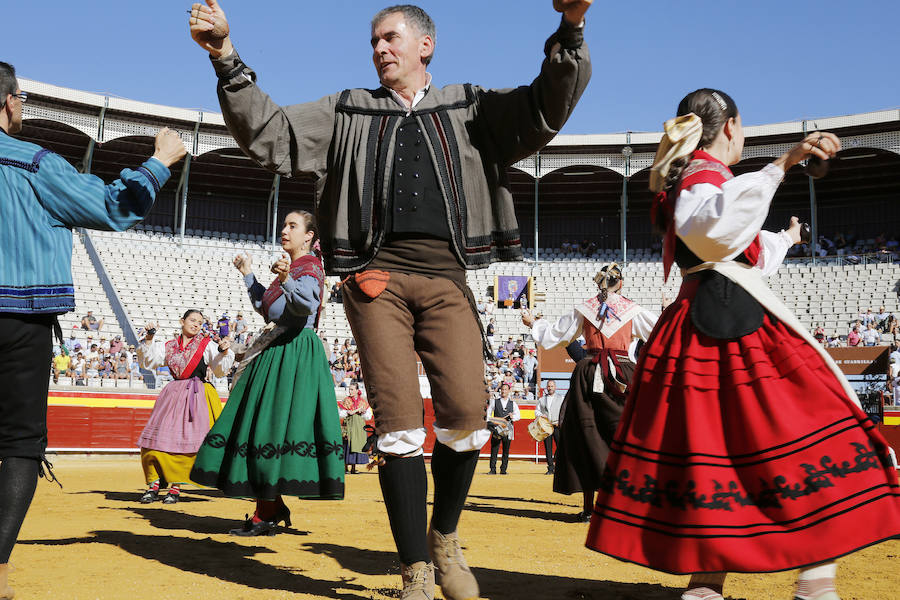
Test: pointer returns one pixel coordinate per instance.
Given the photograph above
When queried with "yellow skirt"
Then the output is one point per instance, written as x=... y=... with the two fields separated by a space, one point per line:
x=175 y=469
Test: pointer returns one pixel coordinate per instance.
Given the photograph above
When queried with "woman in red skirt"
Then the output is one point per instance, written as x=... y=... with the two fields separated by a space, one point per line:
x=742 y=447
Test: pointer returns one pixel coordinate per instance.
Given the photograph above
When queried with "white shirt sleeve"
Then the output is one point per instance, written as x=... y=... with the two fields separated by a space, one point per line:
x=219 y=362
x=152 y=354
x=566 y=329
x=718 y=223
x=643 y=324
x=516 y=415
x=774 y=249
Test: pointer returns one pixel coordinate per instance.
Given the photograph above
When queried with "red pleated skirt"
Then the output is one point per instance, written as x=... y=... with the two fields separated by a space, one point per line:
x=740 y=455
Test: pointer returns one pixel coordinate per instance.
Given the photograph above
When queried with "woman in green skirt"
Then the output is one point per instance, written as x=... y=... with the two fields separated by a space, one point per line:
x=279 y=432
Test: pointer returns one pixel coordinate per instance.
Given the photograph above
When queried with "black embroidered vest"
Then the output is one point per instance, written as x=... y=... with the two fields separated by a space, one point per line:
x=416 y=204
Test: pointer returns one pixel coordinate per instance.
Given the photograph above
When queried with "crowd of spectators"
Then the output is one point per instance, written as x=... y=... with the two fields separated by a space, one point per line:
x=94 y=363
x=587 y=248
x=344 y=361
x=852 y=247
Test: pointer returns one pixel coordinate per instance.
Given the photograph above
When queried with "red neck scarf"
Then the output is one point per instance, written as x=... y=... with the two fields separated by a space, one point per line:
x=183 y=360
x=703 y=168
x=355 y=403
x=305 y=265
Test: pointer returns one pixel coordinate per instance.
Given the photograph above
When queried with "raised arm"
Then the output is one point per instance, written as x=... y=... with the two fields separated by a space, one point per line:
x=83 y=200
x=219 y=357
x=519 y=121
x=287 y=140
x=550 y=335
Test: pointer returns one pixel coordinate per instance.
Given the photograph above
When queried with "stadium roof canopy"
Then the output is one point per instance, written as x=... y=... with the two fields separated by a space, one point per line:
x=574 y=175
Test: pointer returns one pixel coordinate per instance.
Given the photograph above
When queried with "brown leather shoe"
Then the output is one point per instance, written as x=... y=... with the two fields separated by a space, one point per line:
x=418 y=581
x=453 y=574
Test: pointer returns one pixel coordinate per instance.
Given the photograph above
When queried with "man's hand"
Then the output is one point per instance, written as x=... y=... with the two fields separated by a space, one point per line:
x=151 y=326
x=572 y=10
x=169 y=148
x=209 y=28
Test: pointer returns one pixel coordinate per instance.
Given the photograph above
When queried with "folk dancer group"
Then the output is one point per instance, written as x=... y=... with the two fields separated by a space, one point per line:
x=718 y=463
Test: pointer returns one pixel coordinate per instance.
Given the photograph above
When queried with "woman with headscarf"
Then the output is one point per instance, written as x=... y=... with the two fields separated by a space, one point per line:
x=742 y=446
x=593 y=405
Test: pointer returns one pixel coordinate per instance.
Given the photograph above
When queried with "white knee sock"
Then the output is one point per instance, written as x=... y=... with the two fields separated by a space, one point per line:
x=817 y=583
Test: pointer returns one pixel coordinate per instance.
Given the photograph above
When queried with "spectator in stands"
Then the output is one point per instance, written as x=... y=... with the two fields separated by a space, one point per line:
x=61 y=365
x=509 y=346
x=70 y=342
x=240 y=329
x=819 y=334
x=122 y=366
x=91 y=323
x=134 y=370
x=115 y=346
x=502 y=413
x=488 y=306
x=79 y=368
x=867 y=317
x=881 y=319
x=107 y=369
x=854 y=337
x=529 y=365
x=411 y=255
x=870 y=336
x=515 y=363
x=223 y=326
x=336 y=295
x=566 y=248
x=489 y=331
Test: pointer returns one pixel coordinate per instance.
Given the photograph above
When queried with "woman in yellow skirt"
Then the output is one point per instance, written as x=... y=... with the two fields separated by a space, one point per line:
x=185 y=409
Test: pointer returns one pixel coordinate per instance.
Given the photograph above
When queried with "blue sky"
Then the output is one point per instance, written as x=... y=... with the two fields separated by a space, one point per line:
x=783 y=60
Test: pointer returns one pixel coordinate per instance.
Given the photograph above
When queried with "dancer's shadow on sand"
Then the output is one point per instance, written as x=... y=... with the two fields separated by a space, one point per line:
x=227 y=561
x=135 y=497
x=527 y=500
x=564 y=517
x=496 y=584
x=174 y=520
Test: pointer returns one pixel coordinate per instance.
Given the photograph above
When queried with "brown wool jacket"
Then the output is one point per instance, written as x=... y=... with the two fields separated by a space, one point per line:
x=345 y=141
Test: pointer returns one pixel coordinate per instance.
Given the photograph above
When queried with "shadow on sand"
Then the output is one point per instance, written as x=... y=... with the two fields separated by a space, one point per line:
x=174 y=520
x=227 y=561
x=496 y=584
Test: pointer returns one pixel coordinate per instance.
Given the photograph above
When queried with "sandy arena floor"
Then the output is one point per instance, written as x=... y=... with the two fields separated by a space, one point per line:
x=93 y=540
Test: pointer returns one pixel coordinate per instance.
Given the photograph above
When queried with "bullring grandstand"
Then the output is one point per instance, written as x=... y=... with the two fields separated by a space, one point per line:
x=583 y=191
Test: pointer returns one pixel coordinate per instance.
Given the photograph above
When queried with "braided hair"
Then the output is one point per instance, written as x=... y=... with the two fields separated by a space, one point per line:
x=609 y=276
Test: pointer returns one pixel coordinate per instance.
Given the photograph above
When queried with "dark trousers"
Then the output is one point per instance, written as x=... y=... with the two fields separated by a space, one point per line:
x=495 y=446
x=26 y=350
x=549 y=442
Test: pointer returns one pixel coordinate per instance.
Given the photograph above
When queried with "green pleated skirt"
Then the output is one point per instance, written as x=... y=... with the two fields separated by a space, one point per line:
x=279 y=432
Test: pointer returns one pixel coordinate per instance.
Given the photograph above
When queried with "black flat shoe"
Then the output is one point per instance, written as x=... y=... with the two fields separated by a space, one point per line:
x=282 y=516
x=492 y=472
x=583 y=517
x=249 y=528
x=149 y=497
x=170 y=499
